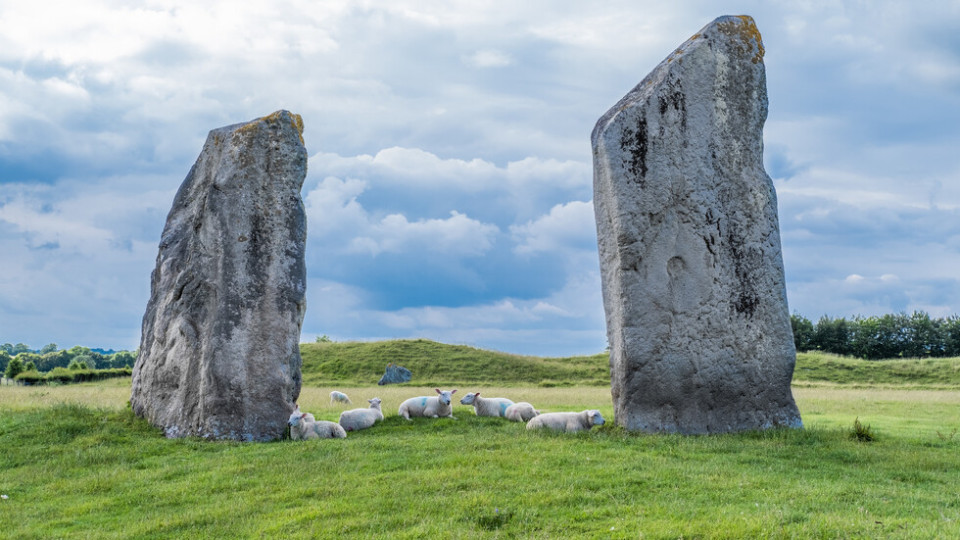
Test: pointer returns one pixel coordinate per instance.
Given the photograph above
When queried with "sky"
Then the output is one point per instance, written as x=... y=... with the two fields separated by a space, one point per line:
x=449 y=192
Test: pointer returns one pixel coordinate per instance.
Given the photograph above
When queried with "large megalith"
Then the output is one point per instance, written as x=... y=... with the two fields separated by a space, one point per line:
x=691 y=266
x=219 y=350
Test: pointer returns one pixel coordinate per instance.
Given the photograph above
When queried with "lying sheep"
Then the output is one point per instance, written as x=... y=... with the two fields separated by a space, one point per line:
x=302 y=429
x=339 y=397
x=520 y=412
x=431 y=407
x=567 y=421
x=357 y=419
x=486 y=406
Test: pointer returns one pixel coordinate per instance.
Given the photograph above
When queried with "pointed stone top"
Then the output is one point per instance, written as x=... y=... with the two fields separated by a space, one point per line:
x=735 y=37
x=282 y=118
x=739 y=30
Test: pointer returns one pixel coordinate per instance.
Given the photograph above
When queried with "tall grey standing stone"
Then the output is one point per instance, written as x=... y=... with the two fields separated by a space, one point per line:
x=691 y=266
x=219 y=351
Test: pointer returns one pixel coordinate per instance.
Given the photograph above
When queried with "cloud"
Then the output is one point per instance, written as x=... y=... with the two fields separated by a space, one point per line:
x=488 y=58
x=567 y=225
x=450 y=162
x=423 y=185
x=457 y=235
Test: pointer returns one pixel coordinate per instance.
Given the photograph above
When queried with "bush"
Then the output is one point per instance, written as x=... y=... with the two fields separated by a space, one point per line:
x=62 y=375
x=14 y=367
x=29 y=378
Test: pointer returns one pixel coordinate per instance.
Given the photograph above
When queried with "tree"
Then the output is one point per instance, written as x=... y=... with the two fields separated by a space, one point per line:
x=19 y=348
x=29 y=358
x=121 y=359
x=14 y=368
x=832 y=335
x=802 y=332
x=79 y=362
x=54 y=359
x=48 y=348
x=86 y=360
x=951 y=336
x=4 y=360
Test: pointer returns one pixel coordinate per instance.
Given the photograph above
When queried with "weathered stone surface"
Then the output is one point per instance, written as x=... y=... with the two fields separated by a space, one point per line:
x=692 y=272
x=394 y=374
x=219 y=351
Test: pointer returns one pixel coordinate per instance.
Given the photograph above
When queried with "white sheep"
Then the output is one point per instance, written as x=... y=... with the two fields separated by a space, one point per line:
x=567 y=421
x=357 y=419
x=486 y=406
x=431 y=407
x=339 y=397
x=520 y=412
x=302 y=429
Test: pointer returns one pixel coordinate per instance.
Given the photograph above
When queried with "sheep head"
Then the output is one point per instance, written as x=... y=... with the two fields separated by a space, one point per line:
x=445 y=395
x=295 y=417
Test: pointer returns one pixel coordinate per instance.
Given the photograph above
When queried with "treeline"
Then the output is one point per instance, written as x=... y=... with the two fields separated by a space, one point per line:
x=20 y=358
x=887 y=336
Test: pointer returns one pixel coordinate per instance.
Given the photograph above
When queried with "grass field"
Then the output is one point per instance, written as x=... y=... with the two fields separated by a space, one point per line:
x=77 y=464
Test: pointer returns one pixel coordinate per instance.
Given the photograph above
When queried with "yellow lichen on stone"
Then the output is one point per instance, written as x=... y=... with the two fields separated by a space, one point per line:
x=298 y=125
x=296 y=121
x=748 y=32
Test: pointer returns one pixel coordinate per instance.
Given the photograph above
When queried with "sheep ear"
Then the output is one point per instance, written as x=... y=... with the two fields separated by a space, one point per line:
x=475 y=395
x=438 y=390
x=454 y=391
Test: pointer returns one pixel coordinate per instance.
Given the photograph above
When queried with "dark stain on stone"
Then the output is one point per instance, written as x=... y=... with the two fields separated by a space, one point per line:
x=633 y=142
x=745 y=265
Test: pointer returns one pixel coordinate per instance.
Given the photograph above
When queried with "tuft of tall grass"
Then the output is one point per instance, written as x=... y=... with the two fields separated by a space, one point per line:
x=861 y=432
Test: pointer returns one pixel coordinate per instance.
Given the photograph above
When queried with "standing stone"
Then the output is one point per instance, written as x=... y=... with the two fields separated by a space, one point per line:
x=693 y=288
x=219 y=352
x=395 y=374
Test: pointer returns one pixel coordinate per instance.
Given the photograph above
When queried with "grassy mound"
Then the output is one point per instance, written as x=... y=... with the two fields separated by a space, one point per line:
x=432 y=363
x=816 y=367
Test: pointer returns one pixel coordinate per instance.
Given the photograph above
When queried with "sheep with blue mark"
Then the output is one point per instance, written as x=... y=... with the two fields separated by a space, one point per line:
x=567 y=422
x=339 y=397
x=520 y=412
x=486 y=406
x=302 y=429
x=357 y=419
x=429 y=406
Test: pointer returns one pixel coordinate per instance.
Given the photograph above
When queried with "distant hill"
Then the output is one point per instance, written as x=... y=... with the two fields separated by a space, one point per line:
x=432 y=363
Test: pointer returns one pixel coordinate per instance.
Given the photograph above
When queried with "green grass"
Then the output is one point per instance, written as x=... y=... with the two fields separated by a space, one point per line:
x=432 y=363
x=75 y=462
x=73 y=470
x=816 y=367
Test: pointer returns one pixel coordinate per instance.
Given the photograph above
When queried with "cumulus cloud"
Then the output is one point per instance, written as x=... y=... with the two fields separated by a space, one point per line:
x=567 y=225
x=457 y=235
